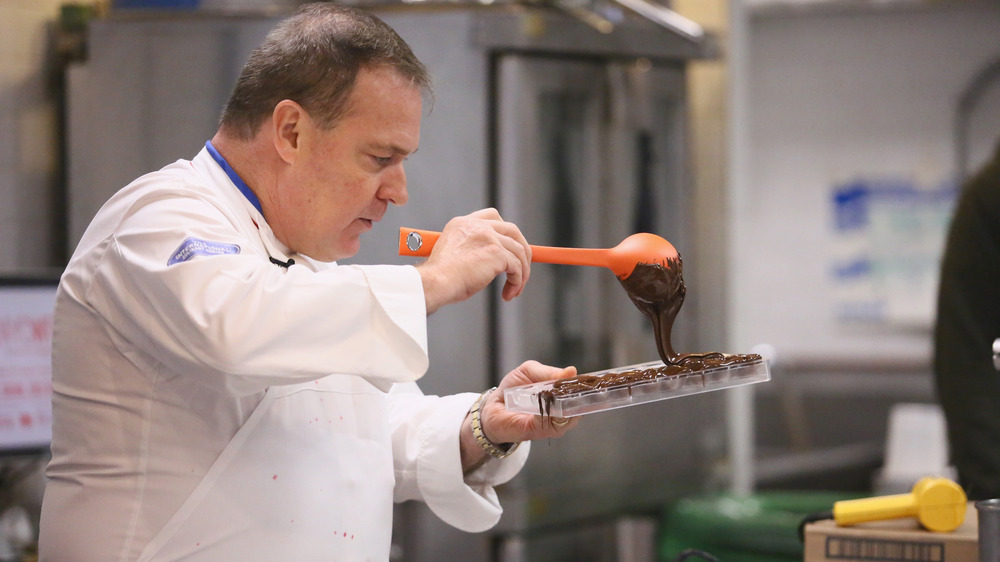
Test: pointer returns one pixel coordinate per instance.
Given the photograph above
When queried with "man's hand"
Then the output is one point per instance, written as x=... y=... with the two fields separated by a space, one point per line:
x=470 y=253
x=503 y=426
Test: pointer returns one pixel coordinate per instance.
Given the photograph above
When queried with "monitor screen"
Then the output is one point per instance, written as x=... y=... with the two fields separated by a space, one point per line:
x=26 y=305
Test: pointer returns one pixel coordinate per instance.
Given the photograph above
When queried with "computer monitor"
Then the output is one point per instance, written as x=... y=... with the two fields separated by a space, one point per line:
x=26 y=313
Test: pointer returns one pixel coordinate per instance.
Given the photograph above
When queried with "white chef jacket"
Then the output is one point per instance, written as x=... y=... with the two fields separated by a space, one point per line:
x=195 y=415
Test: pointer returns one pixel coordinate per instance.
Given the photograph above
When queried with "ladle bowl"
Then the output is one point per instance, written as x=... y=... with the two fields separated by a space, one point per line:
x=622 y=259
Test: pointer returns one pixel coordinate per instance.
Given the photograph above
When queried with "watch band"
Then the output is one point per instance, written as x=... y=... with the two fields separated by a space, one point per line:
x=495 y=450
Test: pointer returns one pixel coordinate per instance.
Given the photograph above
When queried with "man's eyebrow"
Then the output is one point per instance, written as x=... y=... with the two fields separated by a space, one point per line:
x=394 y=148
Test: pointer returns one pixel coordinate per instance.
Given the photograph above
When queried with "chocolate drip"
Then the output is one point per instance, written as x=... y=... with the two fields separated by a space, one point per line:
x=657 y=290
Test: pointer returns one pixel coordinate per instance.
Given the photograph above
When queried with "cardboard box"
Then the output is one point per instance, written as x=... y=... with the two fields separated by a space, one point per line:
x=896 y=540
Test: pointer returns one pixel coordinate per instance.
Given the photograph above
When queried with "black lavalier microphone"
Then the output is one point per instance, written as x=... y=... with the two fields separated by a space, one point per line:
x=284 y=264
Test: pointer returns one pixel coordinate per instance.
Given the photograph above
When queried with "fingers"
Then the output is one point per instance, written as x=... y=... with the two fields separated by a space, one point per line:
x=533 y=371
x=488 y=213
x=471 y=252
x=548 y=426
x=557 y=427
x=517 y=266
x=504 y=426
x=518 y=243
x=515 y=426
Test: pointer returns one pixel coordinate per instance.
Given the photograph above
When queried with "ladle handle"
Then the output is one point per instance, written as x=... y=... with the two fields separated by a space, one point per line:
x=570 y=256
x=418 y=243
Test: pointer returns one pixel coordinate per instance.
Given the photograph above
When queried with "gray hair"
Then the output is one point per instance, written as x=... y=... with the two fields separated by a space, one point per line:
x=313 y=58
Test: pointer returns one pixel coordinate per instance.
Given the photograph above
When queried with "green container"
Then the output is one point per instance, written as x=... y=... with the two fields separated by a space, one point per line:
x=762 y=527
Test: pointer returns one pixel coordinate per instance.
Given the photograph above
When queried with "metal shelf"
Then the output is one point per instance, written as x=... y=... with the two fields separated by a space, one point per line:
x=766 y=8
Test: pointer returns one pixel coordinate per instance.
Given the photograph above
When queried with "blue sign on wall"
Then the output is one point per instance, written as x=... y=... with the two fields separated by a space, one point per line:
x=889 y=235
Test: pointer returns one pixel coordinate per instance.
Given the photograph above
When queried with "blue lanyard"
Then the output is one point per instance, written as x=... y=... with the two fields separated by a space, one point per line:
x=240 y=184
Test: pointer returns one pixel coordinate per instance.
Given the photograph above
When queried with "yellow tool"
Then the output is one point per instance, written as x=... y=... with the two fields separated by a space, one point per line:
x=938 y=503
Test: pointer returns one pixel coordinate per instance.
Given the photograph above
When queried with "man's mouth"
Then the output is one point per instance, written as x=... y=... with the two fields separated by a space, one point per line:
x=372 y=219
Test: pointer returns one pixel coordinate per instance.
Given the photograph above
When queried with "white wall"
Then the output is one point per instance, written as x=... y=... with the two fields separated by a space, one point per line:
x=830 y=95
x=28 y=142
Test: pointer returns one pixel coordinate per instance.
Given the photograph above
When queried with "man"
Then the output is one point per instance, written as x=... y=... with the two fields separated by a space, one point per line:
x=222 y=389
x=968 y=320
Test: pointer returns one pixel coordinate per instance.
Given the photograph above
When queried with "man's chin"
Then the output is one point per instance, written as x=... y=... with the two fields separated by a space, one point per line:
x=348 y=249
x=328 y=255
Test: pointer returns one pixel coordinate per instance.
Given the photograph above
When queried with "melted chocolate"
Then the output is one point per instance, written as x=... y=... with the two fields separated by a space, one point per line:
x=686 y=364
x=657 y=290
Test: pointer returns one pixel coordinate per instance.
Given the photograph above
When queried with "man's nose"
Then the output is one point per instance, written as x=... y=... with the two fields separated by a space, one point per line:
x=394 y=187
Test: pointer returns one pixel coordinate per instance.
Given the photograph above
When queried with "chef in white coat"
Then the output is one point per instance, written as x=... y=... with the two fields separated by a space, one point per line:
x=223 y=390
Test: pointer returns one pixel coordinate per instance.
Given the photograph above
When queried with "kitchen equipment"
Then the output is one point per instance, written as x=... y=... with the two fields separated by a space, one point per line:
x=622 y=259
x=527 y=398
x=938 y=503
x=989 y=530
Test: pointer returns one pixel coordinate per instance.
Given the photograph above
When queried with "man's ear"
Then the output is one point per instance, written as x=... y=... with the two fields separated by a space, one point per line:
x=290 y=122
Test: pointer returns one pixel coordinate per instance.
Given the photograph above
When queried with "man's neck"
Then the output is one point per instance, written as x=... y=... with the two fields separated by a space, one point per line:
x=249 y=161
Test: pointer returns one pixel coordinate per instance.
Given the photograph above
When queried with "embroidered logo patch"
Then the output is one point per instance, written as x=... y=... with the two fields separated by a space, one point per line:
x=197 y=247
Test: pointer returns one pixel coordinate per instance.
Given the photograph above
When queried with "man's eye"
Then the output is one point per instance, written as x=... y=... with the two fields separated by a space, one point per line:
x=382 y=160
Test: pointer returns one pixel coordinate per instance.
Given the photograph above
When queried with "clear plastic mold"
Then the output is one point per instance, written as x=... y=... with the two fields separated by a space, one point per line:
x=525 y=398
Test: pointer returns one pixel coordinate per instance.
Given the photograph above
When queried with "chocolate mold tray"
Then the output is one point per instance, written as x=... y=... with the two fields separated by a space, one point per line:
x=525 y=398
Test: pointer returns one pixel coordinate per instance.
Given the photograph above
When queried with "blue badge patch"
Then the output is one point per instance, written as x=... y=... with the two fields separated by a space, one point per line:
x=197 y=247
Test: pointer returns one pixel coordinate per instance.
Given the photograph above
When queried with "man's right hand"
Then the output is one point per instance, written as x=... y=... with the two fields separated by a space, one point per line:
x=470 y=253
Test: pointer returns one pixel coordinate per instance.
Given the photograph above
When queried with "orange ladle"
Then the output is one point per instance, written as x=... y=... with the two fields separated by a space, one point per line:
x=622 y=259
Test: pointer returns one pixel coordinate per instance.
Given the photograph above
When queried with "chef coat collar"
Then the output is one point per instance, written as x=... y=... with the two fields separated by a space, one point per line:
x=240 y=184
